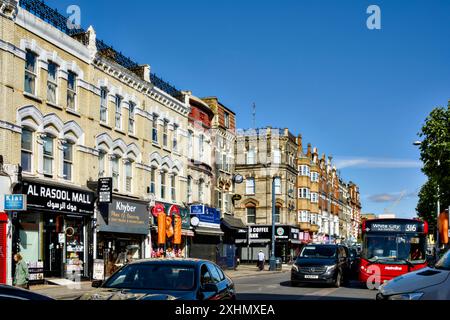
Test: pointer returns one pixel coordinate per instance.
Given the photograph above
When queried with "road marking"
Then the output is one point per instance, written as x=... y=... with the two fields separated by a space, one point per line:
x=321 y=293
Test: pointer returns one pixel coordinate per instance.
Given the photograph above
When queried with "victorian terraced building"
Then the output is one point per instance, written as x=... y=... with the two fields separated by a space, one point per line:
x=72 y=110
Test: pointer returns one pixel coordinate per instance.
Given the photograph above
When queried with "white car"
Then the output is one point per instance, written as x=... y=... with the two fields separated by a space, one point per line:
x=425 y=284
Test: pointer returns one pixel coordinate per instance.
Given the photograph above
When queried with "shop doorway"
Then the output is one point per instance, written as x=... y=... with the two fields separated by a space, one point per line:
x=53 y=250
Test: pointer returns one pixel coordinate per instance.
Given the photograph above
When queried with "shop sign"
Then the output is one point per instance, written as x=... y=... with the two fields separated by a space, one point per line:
x=281 y=232
x=98 y=272
x=125 y=216
x=58 y=198
x=295 y=234
x=208 y=217
x=260 y=233
x=15 y=202
x=104 y=190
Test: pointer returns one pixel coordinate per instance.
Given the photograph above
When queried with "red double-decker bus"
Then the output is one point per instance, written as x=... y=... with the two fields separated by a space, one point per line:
x=392 y=247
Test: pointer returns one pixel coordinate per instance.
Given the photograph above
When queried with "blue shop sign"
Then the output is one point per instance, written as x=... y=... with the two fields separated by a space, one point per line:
x=15 y=202
x=206 y=214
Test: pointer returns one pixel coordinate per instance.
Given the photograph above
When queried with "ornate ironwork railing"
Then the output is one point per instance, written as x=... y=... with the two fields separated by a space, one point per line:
x=59 y=21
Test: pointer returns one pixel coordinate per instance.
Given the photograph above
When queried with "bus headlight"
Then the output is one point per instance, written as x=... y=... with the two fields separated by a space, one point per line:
x=407 y=296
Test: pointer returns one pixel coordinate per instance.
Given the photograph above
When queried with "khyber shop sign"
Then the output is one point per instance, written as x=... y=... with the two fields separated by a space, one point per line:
x=58 y=198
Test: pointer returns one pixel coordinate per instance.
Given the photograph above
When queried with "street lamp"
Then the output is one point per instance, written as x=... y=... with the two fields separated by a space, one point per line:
x=272 y=261
x=419 y=143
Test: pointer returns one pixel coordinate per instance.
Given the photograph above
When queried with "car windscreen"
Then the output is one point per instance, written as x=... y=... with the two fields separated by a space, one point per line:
x=395 y=247
x=153 y=277
x=444 y=262
x=318 y=252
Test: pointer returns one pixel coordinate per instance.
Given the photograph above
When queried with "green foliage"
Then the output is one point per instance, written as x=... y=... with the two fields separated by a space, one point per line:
x=435 y=154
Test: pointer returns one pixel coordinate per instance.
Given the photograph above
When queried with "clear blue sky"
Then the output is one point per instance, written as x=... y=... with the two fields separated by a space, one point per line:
x=312 y=66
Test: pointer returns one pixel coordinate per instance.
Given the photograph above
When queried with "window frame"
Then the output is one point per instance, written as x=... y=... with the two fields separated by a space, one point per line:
x=29 y=152
x=104 y=97
x=131 y=118
x=165 y=137
x=47 y=157
x=250 y=187
x=128 y=176
x=72 y=91
x=52 y=82
x=69 y=162
x=33 y=74
x=162 y=191
x=115 y=174
x=118 y=100
x=253 y=215
x=155 y=128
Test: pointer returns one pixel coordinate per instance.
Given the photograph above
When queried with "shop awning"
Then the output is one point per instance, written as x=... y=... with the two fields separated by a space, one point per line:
x=233 y=223
x=209 y=231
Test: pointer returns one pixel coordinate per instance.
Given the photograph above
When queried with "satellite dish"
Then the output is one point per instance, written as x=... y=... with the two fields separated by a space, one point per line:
x=195 y=221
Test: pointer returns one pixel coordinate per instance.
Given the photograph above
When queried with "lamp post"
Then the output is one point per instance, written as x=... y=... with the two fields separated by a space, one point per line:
x=272 y=261
x=419 y=143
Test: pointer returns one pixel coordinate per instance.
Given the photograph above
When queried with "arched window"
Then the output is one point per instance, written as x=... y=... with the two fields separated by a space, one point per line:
x=189 y=189
x=200 y=190
x=173 y=181
x=68 y=160
x=26 y=160
x=115 y=172
x=128 y=176
x=71 y=91
x=163 y=184
x=49 y=155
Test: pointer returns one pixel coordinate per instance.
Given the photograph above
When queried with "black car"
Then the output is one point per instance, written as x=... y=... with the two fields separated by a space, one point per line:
x=10 y=293
x=168 y=279
x=322 y=263
x=354 y=263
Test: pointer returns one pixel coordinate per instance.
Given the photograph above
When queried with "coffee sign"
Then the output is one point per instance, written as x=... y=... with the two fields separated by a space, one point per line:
x=57 y=198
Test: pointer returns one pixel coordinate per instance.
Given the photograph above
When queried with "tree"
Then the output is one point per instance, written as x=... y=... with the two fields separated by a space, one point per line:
x=435 y=154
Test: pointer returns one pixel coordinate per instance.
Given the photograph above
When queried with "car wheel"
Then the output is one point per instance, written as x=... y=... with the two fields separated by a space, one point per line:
x=337 y=282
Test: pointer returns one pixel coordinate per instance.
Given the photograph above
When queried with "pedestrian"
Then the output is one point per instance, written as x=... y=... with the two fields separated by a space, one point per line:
x=21 y=276
x=261 y=259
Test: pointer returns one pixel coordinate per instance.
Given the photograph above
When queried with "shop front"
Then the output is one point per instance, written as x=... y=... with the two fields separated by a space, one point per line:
x=207 y=242
x=123 y=226
x=232 y=228
x=259 y=237
x=52 y=234
x=171 y=232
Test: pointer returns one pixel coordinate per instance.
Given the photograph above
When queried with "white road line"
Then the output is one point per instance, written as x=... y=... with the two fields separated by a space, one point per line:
x=321 y=293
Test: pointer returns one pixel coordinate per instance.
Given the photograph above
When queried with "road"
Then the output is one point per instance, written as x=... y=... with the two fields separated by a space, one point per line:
x=277 y=287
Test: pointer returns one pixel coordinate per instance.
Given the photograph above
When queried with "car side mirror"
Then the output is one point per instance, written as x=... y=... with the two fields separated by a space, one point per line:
x=97 y=283
x=210 y=287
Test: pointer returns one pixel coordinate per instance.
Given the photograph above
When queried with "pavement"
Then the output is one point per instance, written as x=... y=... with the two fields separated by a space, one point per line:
x=70 y=292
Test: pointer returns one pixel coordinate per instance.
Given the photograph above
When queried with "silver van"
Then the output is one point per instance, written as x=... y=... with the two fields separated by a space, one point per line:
x=424 y=284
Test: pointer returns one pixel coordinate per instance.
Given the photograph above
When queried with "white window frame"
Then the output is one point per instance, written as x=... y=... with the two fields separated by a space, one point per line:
x=118 y=112
x=129 y=176
x=115 y=174
x=50 y=158
x=155 y=129
x=131 y=120
x=250 y=186
x=104 y=104
x=52 y=82
x=277 y=156
x=68 y=162
x=72 y=91
x=277 y=185
x=29 y=152
x=32 y=74
x=251 y=155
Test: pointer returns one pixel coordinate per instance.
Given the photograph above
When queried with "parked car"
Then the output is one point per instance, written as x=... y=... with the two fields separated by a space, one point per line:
x=323 y=263
x=15 y=294
x=168 y=279
x=432 y=283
